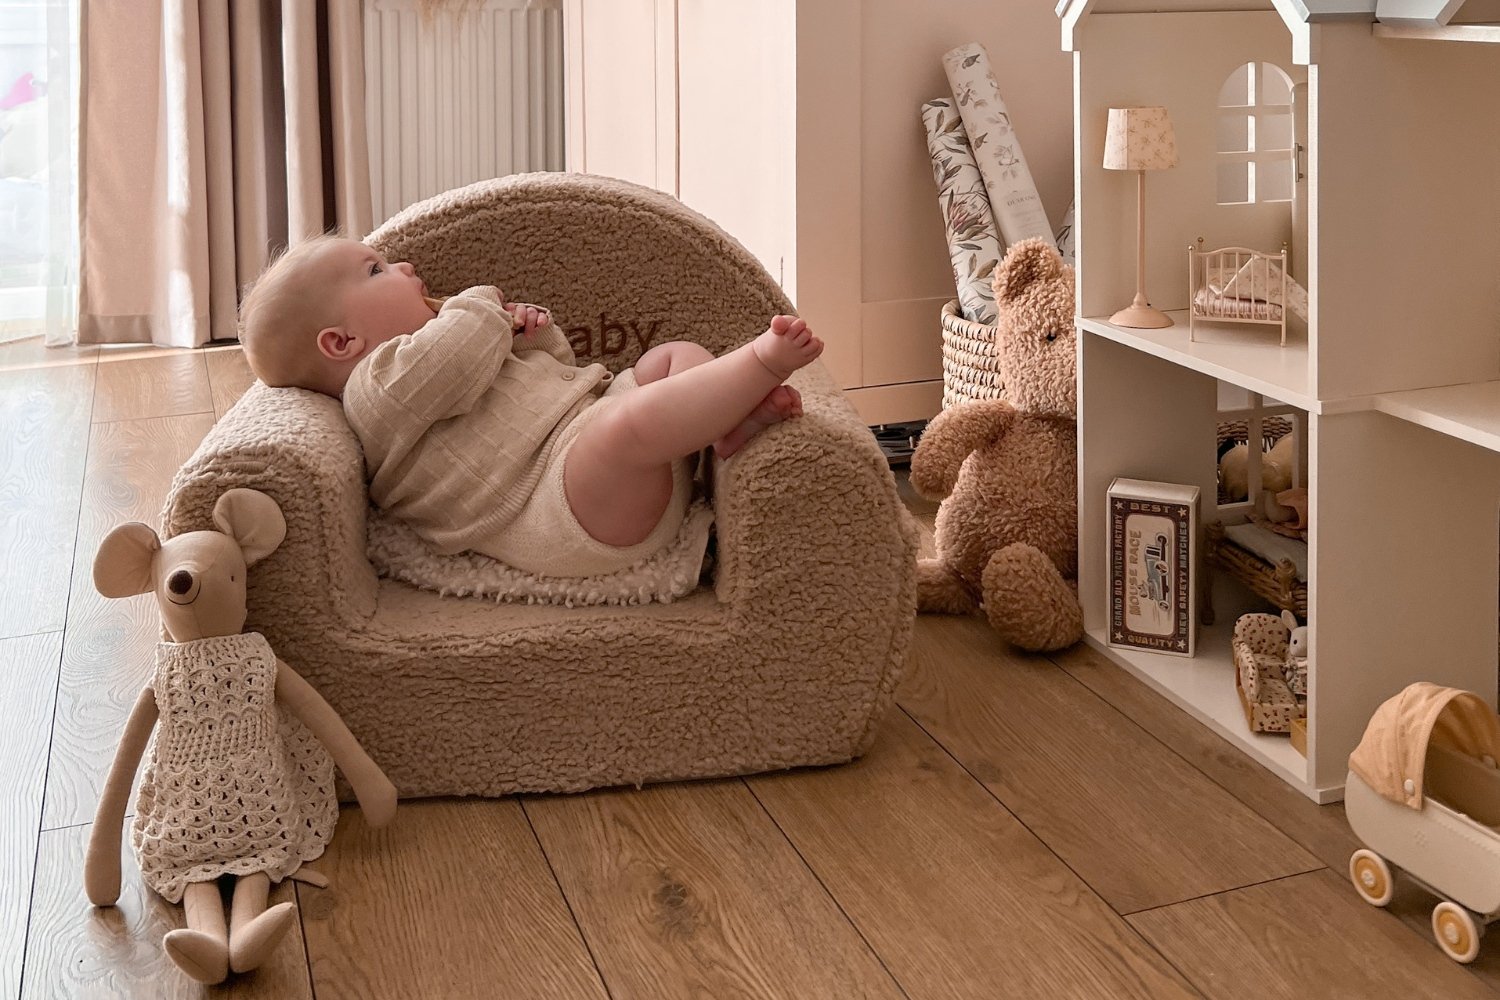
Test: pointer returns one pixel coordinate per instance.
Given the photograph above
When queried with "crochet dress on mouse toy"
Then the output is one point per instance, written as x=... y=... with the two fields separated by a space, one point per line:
x=233 y=786
x=240 y=780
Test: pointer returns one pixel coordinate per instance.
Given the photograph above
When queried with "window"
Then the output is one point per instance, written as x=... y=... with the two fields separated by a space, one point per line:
x=38 y=231
x=1254 y=132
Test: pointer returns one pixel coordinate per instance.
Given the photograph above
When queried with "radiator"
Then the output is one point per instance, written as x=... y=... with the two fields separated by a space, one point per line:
x=466 y=93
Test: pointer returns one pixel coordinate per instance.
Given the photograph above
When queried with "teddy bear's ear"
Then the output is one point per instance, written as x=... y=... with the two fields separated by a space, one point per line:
x=1025 y=264
x=253 y=520
x=1289 y=620
x=122 y=566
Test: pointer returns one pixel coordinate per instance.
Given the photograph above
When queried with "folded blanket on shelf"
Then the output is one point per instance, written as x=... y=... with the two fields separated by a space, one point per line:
x=1259 y=281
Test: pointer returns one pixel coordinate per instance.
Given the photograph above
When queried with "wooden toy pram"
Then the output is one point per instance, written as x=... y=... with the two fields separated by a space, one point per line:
x=1423 y=794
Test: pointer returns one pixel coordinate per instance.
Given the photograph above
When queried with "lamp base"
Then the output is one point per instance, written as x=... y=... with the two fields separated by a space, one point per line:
x=1141 y=317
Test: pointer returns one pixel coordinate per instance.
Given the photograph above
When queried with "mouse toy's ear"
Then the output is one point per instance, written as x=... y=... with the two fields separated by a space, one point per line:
x=122 y=567
x=252 y=519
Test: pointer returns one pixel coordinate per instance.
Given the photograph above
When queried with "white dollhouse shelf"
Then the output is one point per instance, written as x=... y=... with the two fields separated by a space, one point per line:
x=1441 y=32
x=1402 y=581
x=1242 y=355
x=1468 y=412
x=1196 y=685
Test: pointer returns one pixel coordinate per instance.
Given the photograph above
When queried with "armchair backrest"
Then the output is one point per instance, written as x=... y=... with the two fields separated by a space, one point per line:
x=622 y=267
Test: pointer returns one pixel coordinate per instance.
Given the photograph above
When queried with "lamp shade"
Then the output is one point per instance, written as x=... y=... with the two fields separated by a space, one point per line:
x=1139 y=139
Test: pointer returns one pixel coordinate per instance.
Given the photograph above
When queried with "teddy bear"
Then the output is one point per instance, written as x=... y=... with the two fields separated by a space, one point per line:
x=239 y=781
x=1005 y=470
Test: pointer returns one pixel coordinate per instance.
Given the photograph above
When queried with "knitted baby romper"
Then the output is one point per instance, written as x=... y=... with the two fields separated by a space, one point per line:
x=233 y=786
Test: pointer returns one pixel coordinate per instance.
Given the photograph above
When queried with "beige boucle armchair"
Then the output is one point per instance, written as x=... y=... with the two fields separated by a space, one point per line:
x=790 y=658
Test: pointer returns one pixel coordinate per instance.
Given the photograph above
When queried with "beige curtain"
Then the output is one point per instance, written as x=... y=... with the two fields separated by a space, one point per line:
x=211 y=132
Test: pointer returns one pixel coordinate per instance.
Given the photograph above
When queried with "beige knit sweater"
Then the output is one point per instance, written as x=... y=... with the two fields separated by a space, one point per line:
x=457 y=420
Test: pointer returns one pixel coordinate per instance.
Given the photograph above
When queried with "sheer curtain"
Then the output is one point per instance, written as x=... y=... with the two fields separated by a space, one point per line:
x=38 y=128
x=211 y=132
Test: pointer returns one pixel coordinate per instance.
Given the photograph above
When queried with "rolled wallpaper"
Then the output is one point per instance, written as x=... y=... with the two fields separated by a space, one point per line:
x=1067 y=240
x=1013 y=197
x=973 y=244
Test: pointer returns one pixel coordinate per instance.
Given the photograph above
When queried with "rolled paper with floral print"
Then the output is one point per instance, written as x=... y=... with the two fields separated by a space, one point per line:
x=973 y=242
x=1067 y=241
x=1013 y=198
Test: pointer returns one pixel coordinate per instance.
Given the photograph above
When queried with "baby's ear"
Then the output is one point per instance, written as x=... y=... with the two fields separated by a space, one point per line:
x=122 y=567
x=336 y=344
x=253 y=520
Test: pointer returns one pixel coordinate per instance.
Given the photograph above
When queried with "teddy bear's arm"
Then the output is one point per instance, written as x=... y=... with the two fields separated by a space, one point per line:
x=101 y=866
x=950 y=437
x=376 y=794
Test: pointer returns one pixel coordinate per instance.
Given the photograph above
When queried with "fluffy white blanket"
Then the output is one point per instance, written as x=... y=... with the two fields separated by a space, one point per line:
x=396 y=551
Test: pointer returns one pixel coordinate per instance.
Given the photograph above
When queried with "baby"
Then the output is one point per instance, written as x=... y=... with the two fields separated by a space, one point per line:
x=480 y=430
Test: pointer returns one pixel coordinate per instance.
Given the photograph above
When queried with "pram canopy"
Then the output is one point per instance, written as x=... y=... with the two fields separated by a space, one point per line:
x=1392 y=755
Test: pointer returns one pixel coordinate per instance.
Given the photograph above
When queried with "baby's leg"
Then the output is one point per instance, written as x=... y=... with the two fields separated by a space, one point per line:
x=677 y=356
x=618 y=476
x=671 y=358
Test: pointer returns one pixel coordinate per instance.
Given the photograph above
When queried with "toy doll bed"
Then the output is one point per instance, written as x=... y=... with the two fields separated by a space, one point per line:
x=1240 y=285
x=790 y=657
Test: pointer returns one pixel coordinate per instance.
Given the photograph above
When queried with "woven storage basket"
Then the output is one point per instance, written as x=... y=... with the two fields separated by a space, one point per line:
x=971 y=359
x=1272 y=429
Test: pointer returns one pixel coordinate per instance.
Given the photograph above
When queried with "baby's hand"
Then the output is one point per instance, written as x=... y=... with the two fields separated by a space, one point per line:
x=525 y=318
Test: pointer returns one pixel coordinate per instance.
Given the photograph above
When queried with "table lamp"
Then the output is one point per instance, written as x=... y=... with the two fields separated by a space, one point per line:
x=1140 y=139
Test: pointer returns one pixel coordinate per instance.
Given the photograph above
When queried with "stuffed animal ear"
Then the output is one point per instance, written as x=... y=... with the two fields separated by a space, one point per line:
x=122 y=566
x=253 y=520
x=1289 y=620
x=1025 y=264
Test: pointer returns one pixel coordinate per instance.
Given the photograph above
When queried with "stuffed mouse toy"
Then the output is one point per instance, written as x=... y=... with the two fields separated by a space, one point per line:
x=239 y=782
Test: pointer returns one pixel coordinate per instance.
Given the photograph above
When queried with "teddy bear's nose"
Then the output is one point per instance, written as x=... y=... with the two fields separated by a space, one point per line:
x=180 y=582
x=1051 y=337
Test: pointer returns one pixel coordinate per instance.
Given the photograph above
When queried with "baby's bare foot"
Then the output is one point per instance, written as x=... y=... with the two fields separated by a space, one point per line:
x=787 y=346
x=781 y=403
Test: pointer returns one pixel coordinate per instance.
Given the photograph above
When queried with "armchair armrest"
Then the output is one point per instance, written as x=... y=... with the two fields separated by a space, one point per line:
x=295 y=446
x=815 y=545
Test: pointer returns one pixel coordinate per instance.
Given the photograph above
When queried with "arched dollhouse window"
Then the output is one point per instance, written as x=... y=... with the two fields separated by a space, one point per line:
x=1255 y=135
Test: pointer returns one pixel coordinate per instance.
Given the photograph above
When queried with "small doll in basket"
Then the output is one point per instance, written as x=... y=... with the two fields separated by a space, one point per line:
x=239 y=780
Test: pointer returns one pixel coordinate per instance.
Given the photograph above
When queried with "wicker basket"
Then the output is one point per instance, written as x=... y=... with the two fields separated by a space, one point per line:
x=1272 y=429
x=971 y=359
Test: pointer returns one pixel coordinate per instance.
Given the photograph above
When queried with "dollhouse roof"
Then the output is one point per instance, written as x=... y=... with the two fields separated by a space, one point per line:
x=1292 y=11
x=1297 y=14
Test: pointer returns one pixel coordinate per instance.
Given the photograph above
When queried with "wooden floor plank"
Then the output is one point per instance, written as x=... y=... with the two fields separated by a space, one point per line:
x=1321 y=830
x=32 y=352
x=691 y=891
x=44 y=428
x=83 y=952
x=954 y=894
x=1140 y=825
x=28 y=686
x=229 y=375
x=107 y=653
x=453 y=899
x=1299 y=937
x=156 y=386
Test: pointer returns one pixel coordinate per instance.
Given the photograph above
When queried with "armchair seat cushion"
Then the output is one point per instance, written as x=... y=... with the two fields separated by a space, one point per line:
x=790 y=657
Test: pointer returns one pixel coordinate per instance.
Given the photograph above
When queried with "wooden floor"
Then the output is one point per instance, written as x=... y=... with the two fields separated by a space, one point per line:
x=1023 y=827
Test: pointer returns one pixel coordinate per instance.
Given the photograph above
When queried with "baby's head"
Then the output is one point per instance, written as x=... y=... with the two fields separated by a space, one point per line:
x=323 y=305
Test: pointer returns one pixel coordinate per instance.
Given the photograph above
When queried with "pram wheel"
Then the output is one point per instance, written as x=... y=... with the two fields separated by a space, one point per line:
x=1456 y=931
x=1371 y=877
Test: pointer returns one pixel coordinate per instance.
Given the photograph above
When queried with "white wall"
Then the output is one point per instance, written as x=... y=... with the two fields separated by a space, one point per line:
x=797 y=128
